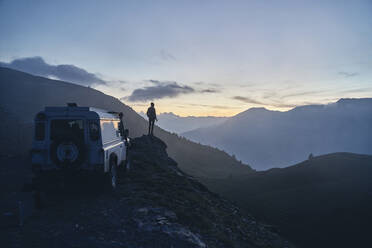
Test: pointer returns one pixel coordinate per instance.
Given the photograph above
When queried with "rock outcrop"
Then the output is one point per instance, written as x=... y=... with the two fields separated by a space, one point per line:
x=155 y=205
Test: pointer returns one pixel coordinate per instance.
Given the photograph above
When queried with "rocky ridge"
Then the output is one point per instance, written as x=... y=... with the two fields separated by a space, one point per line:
x=155 y=205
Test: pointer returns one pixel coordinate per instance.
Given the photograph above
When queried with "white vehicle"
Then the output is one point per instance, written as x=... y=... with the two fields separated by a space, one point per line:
x=79 y=138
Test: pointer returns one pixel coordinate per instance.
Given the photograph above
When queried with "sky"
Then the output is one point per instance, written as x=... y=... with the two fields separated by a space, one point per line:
x=199 y=57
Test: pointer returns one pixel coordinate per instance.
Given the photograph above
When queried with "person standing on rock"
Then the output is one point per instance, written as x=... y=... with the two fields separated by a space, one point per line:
x=151 y=114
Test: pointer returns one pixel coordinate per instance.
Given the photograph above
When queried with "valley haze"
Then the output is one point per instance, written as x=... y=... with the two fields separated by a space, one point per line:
x=266 y=139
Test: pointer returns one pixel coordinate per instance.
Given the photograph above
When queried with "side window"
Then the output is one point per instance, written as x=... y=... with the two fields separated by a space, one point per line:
x=116 y=126
x=109 y=130
x=40 y=131
x=93 y=131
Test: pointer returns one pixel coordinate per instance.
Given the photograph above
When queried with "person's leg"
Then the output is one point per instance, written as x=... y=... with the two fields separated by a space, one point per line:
x=152 y=127
x=149 y=127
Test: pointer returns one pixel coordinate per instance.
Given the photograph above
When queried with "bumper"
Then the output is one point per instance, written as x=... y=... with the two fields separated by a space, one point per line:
x=52 y=167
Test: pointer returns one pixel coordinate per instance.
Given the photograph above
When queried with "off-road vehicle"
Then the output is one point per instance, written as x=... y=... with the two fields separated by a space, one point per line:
x=79 y=139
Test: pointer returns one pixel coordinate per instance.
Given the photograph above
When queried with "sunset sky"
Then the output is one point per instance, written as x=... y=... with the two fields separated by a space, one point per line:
x=196 y=57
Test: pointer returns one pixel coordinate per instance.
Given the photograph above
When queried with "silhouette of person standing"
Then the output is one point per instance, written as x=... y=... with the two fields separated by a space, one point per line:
x=151 y=114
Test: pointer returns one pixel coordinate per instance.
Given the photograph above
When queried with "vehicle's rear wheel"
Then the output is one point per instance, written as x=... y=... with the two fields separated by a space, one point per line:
x=113 y=175
x=127 y=159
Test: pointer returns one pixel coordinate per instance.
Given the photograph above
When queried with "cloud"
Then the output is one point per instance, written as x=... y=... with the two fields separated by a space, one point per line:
x=357 y=90
x=247 y=100
x=158 y=91
x=273 y=104
x=70 y=73
x=205 y=83
x=348 y=74
x=283 y=105
x=303 y=93
x=211 y=106
x=164 y=55
x=157 y=82
x=269 y=94
x=208 y=87
x=119 y=81
x=209 y=91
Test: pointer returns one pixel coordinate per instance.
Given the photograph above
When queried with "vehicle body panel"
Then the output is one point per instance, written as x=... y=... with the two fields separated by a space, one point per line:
x=101 y=139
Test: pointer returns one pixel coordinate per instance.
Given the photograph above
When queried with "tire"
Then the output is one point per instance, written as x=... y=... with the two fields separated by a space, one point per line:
x=113 y=175
x=72 y=142
x=127 y=163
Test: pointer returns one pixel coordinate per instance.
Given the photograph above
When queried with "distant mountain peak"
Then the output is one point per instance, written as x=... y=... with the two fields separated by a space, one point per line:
x=255 y=110
x=355 y=101
x=168 y=114
x=258 y=109
x=308 y=107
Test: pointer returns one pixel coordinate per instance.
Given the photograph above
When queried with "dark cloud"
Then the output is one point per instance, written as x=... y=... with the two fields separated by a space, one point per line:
x=348 y=74
x=37 y=66
x=157 y=82
x=158 y=91
x=209 y=91
x=208 y=87
x=273 y=104
x=247 y=100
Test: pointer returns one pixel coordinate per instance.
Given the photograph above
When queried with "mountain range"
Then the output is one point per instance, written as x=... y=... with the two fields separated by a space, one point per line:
x=179 y=124
x=265 y=139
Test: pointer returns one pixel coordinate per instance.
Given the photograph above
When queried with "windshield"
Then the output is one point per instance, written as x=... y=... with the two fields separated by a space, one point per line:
x=67 y=129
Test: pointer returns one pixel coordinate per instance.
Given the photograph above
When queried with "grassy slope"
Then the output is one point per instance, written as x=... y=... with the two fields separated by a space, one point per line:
x=325 y=202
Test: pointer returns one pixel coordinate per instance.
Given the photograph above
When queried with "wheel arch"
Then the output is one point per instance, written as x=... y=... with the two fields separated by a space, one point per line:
x=113 y=159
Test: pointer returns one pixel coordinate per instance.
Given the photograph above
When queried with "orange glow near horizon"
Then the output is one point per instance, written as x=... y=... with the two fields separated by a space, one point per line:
x=200 y=112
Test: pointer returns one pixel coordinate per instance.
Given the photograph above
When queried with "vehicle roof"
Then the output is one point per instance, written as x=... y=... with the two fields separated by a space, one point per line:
x=104 y=114
x=89 y=112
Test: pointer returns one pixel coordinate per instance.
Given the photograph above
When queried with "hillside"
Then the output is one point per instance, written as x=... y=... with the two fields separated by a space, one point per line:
x=23 y=95
x=267 y=139
x=155 y=205
x=324 y=202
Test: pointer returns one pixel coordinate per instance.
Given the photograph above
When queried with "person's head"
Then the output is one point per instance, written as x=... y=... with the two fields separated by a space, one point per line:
x=152 y=104
x=121 y=115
